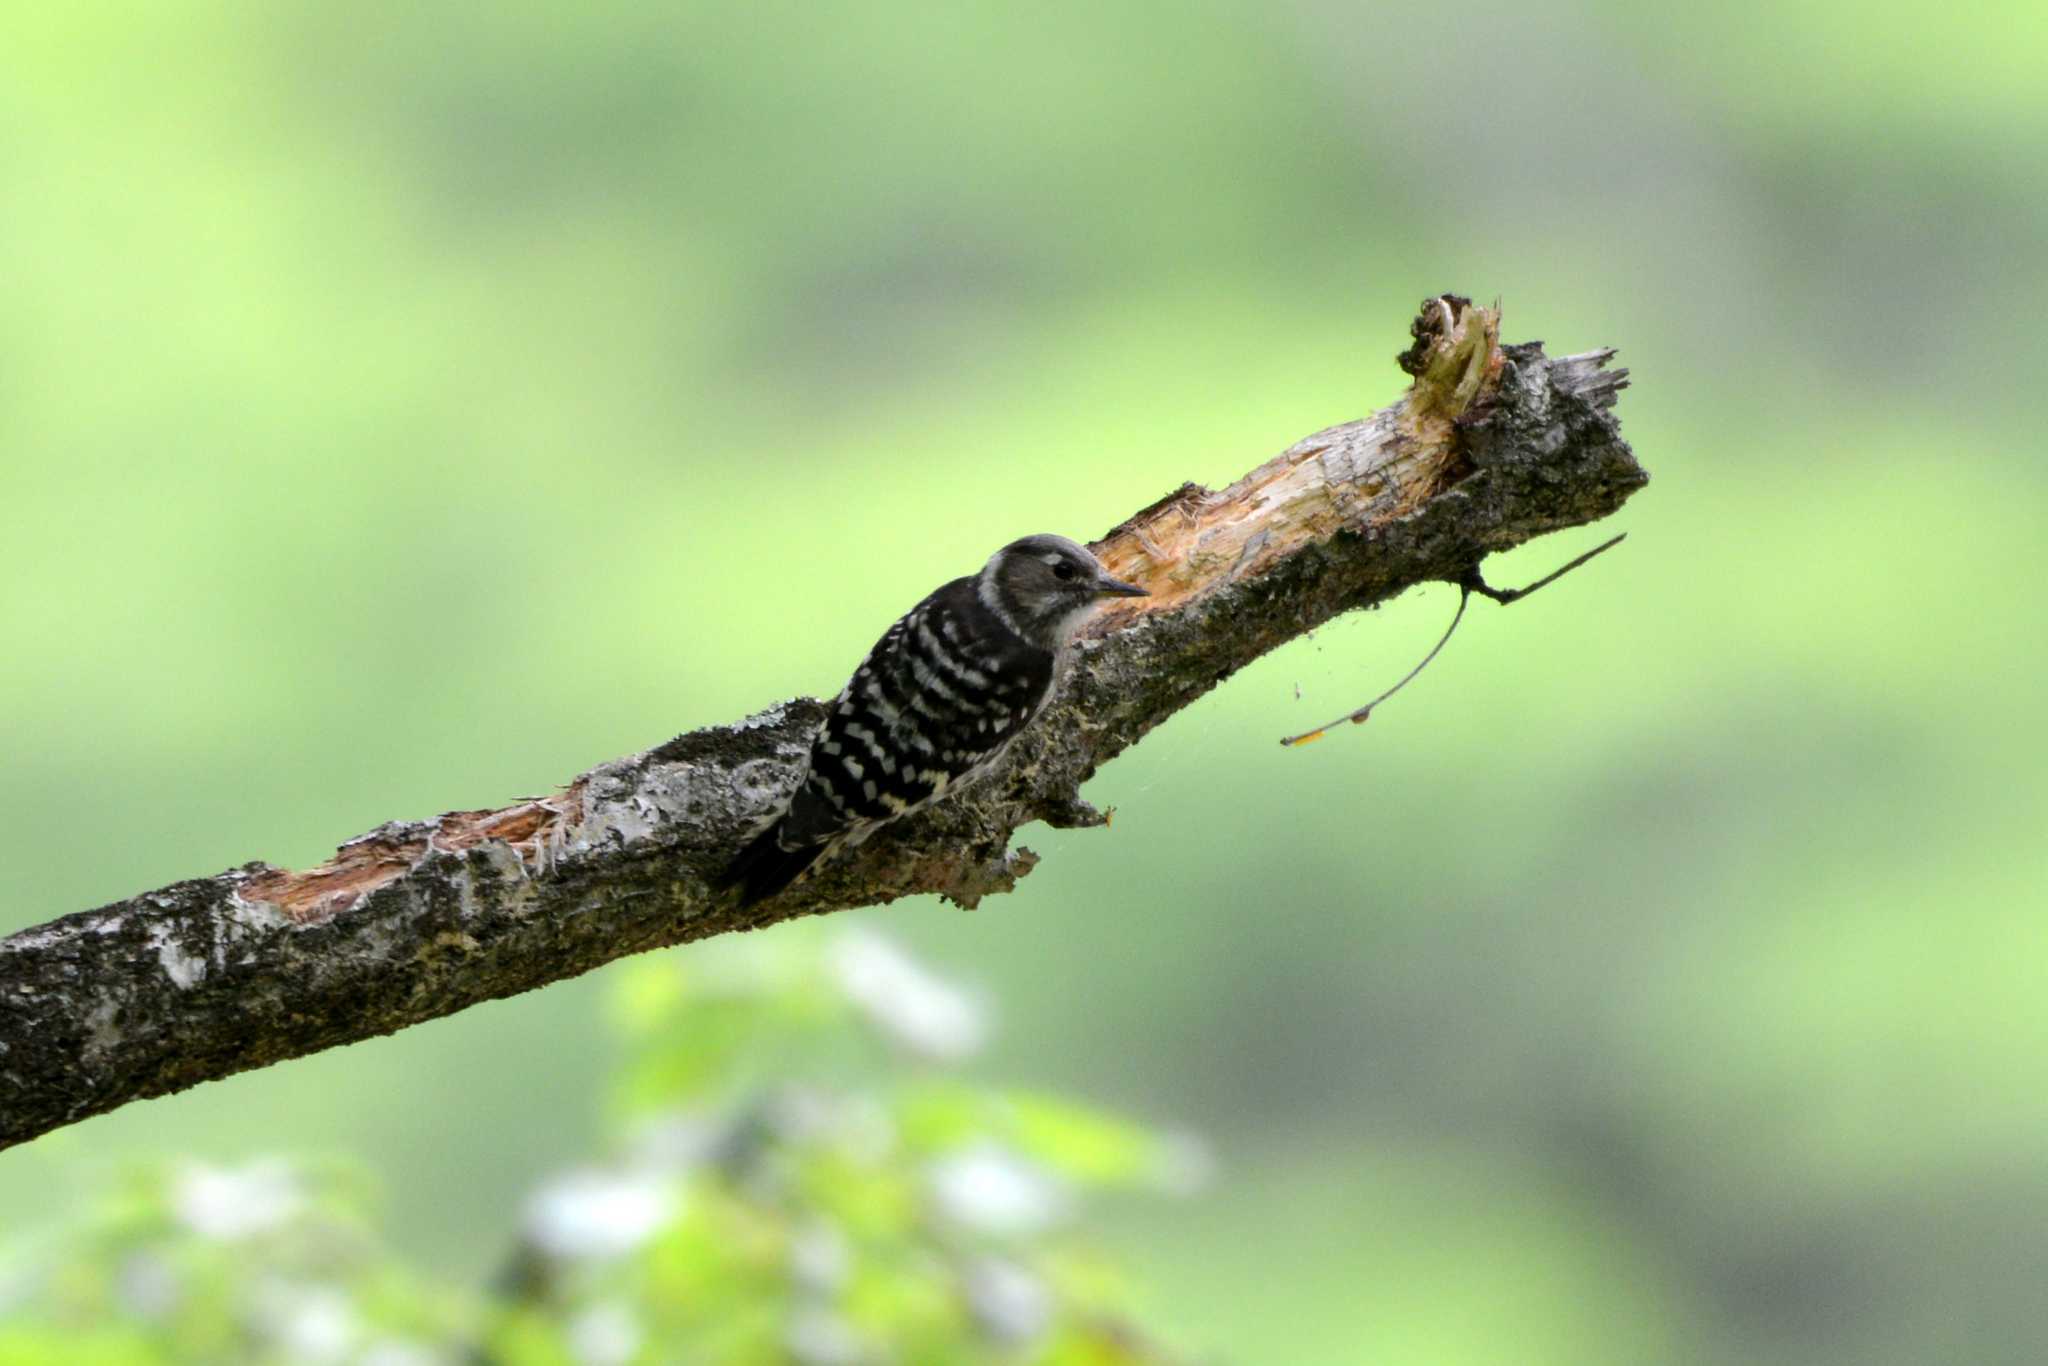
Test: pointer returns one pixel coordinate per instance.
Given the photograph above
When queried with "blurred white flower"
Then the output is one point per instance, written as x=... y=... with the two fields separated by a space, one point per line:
x=311 y=1325
x=599 y=1214
x=819 y=1257
x=1012 y=1305
x=398 y=1352
x=990 y=1189
x=1186 y=1164
x=918 y=1010
x=17 y=1286
x=233 y=1203
x=858 y=1125
x=679 y=1140
x=867 y=1131
x=818 y=1337
x=146 y=1286
x=802 y=1114
x=605 y=1335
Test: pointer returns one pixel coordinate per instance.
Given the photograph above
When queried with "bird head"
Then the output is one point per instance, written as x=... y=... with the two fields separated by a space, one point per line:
x=1044 y=585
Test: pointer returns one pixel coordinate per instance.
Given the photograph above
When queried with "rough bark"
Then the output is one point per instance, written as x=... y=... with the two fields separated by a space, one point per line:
x=419 y=919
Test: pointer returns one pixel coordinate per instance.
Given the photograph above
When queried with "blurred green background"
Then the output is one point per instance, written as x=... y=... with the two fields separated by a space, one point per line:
x=405 y=408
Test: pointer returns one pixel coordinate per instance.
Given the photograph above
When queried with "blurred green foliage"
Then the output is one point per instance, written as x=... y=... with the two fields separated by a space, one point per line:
x=401 y=410
x=846 y=1203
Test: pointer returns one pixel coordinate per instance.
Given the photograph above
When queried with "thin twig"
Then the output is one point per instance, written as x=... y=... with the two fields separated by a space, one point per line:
x=1472 y=583
x=1358 y=717
x=1468 y=585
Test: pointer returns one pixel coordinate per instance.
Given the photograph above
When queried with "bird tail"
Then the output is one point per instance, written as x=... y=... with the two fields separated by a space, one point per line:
x=764 y=867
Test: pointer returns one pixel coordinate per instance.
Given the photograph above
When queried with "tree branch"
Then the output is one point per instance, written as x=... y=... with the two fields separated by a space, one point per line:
x=419 y=919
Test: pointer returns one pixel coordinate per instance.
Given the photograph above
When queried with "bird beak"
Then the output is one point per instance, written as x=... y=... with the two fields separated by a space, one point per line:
x=1116 y=588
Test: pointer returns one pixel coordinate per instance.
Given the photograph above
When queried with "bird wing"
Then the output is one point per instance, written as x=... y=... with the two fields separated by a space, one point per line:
x=936 y=700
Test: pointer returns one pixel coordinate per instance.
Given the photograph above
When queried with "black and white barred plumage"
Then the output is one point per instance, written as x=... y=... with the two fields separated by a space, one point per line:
x=934 y=703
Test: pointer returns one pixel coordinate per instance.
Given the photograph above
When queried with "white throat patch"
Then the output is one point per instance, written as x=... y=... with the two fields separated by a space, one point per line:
x=985 y=589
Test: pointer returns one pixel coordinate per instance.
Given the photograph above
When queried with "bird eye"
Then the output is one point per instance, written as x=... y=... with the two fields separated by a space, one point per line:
x=1063 y=570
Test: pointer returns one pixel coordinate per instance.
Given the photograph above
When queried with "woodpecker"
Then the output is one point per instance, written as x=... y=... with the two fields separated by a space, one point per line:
x=934 y=704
